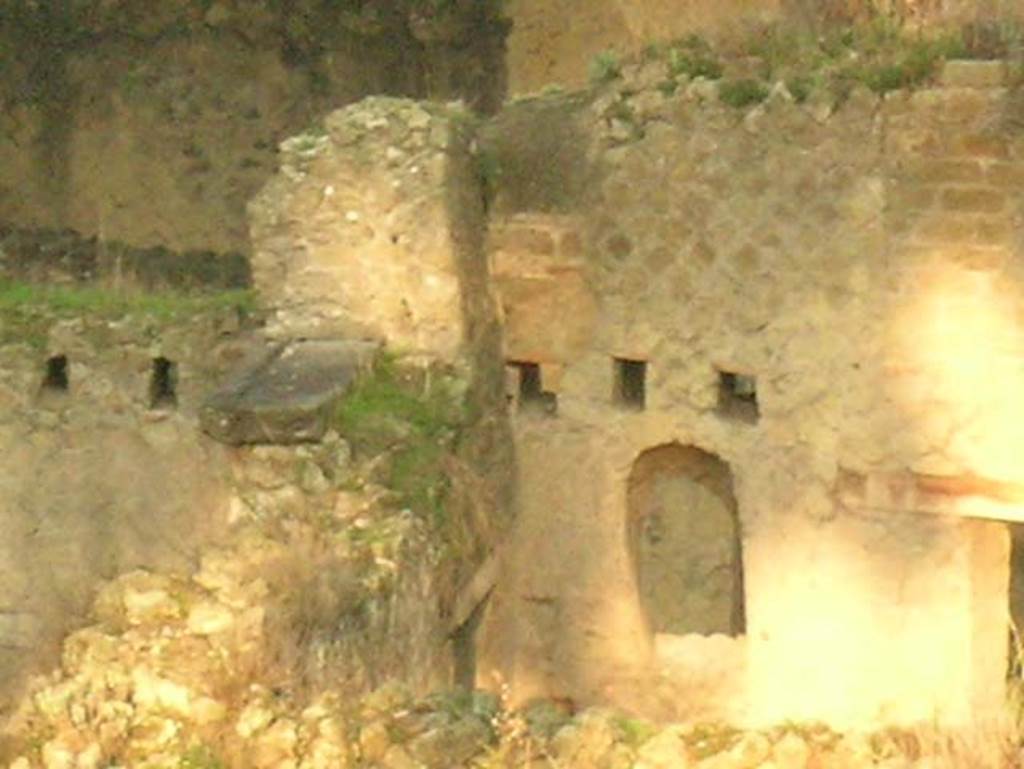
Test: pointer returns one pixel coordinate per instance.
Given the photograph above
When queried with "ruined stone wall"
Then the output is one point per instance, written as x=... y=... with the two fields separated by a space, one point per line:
x=858 y=265
x=373 y=229
x=154 y=128
x=104 y=469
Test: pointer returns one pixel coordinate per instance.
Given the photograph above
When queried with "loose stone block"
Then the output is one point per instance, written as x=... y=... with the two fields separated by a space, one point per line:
x=287 y=397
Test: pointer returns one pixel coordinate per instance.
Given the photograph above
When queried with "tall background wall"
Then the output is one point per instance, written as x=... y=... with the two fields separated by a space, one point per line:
x=154 y=127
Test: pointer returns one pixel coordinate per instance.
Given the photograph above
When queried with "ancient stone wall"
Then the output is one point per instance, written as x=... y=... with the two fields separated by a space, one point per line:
x=104 y=468
x=373 y=230
x=155 y=128
x=824 y=296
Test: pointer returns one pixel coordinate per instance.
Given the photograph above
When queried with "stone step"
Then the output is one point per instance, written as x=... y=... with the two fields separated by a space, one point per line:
x=288 y=396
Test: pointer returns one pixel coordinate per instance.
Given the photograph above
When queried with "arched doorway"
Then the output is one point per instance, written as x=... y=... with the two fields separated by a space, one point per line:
x=684 y=536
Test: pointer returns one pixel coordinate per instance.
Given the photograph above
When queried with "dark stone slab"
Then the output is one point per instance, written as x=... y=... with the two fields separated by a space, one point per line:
x=288 y=396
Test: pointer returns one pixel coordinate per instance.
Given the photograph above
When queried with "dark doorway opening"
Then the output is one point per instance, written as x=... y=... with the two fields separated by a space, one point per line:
x=530 y=394
x=55 y=378
x=630 y=383
x=737 y=396
x=163 y=384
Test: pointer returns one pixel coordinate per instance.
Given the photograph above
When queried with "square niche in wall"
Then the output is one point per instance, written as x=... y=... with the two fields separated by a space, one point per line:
x=737 y=396
x=55 y=375
x=163 y=382
x=630 y=383
x=527 y=391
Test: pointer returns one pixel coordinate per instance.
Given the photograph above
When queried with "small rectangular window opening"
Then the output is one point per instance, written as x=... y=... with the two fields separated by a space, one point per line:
x=737 y=396
x=529 y=391
x=55 y=378
x=630 y=383
x=163 y=384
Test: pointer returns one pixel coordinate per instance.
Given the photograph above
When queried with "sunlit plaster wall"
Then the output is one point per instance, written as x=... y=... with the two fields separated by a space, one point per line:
x=862 y=265
x=893 y=618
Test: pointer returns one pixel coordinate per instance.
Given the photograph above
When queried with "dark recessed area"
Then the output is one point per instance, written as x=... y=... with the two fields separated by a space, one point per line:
x=530 y=394
x=630 y=390
x=685 y=540
x=737 y=396
x=163 y=384
x=55 y=379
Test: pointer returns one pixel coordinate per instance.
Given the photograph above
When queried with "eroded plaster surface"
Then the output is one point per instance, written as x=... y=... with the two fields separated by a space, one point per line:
x=857 y=272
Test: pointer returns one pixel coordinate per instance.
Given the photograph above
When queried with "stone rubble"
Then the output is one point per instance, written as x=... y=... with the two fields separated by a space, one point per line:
x=176 y=672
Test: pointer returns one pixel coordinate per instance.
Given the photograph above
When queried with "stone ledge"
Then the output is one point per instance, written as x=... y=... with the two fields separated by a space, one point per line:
x=965 y=496
x=288 y=396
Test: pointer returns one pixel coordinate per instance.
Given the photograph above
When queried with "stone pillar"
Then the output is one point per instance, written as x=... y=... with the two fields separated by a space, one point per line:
x=371 y=229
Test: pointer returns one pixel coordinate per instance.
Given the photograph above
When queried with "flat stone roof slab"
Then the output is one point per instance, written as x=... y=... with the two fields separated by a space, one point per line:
x=288 y=396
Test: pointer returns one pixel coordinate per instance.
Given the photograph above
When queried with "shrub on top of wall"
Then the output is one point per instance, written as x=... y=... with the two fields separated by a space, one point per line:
x=879 y=54
x=693 y=57
x=415 y=417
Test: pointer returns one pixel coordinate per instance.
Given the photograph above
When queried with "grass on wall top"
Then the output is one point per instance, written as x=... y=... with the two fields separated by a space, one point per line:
x=28 y=309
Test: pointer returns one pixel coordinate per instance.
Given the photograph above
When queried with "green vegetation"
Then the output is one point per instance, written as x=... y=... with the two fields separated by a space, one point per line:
x=880 y=55
x=200 y=757
x=605 y=67
x=458 y=704
x=104 y=302
x=544 y=718
x=894 y=61
x=413 y=417
x=743 y=92
x=27 y=309
x=708 y=739
x=800 y=87
x=693 y=57
x=635 y=731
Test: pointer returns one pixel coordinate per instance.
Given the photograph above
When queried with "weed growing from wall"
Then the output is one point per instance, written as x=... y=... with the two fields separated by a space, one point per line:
x=693 y=57
x=413 y=417
x=200 y=757
x=605 y=67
